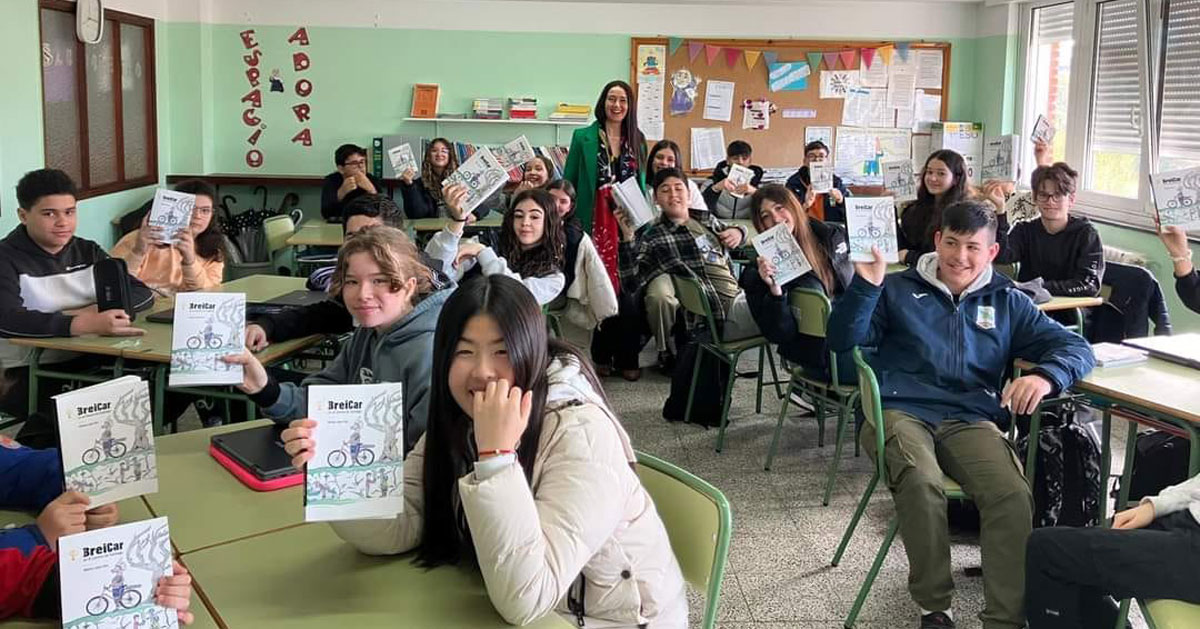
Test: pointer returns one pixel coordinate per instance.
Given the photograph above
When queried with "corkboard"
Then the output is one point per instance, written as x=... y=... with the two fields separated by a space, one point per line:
x=782 y=144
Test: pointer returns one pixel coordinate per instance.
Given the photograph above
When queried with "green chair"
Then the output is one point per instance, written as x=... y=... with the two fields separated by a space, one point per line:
x=1167 y=614
x=873 y=412
x=699 y=522
x=691 y=297
x=811 y=308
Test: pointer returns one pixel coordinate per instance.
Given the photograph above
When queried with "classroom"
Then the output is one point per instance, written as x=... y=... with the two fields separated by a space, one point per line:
x=599 y=313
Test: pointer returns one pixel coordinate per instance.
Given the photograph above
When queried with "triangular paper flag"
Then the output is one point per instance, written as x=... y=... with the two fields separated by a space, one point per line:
x=831 y=59
x=694 y=50
x=711 y=52
x=673 y=44
x=752 y=58
x=814 y=61
x=771 y=57
x=902 y=48
x=731 y=56
x=848 y=59
x=885 y=53
x=868 y=56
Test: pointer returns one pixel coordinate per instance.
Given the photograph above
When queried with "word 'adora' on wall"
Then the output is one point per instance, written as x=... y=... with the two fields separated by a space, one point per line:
x=303 y=87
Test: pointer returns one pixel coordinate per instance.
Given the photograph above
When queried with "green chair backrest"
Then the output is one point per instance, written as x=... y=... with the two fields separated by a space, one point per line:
x=1009 y=269
x=1168 y=614
x=691 y=297
x=277 y=229
x=810 y=308
x=872 y=408
x=699 y=522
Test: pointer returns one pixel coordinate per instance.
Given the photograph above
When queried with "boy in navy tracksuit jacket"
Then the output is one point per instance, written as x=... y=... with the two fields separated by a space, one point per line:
x=946 y=333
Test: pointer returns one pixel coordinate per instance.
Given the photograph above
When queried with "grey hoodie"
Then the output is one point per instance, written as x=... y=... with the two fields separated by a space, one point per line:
x=402 y=353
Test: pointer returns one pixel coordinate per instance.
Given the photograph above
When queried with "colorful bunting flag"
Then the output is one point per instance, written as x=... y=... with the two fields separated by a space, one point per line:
x=902 y=48
x=814 y=61
x=831 y=59
x=752 y=58
x=711 y=52
x=849 y=59
x=673 y=44
x=771 y=57
x=886 y=54
x=868 y=56
x=731 y=56
x=694 y=50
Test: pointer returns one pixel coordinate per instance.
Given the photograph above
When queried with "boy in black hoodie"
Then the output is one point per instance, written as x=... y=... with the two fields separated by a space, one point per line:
x=725 y=200
x=829 y=207
x=47 y=290
x=1064 y=250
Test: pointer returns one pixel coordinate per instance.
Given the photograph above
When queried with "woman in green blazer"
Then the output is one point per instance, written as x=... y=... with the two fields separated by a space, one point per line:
x=607 y=152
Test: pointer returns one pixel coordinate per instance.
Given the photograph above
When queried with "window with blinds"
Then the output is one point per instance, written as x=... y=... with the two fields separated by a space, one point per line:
x=1179 y=134
x=1051 y=47
x=1114 y=132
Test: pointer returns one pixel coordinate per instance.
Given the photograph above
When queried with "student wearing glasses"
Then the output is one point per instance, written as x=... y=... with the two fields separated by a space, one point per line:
x=350 y=181
x=829 y=206
x=194 y=261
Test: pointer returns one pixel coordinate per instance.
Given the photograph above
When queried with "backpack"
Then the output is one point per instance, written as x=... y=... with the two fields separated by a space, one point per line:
x=710 y=387
x=1067 y=483
x=1160 y=460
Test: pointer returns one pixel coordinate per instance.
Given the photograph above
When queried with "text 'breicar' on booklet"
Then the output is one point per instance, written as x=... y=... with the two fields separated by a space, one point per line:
x=170 y=213
x=780 y=247
x=107 y=442
x=1177 y=198
x=207 y=327
x=820 y=175
x=871 y=221
x=108 y=576
x=357 y=469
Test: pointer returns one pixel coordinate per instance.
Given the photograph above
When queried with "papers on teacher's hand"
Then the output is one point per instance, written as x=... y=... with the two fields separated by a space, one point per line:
x=357 y=469
x=780 y=247
x=170 y=212
x=107 y=443
x=206 y=328
x=630 y=197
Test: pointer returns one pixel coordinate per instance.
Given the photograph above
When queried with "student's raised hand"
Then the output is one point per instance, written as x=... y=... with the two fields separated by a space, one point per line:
x=467 y=251
x=836 y=195
x=256 y=337
x=727 y=185
x=407 y=176
x=766 y=271
x=254 y=375
x=624 y=222
x=1174 y=239
x=114 y=322
x=102 y=517
x=810 y=198
x=1042 y=153
x=993 y=191
x=65 y=515
x=175 y=592
x=501 y=413
x=1135 y=518
x=731 y=238
x=455 y=196
x=875 y=270
x=185 y=244
x=1023 y=395
x=147 y=236
x=298 y=441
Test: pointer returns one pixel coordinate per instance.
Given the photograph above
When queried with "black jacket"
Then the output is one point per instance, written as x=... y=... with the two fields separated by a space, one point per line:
x=36 y=286
x=774 y=315
x=1071 y=262
x=1136 y=300
x=419 y=202
x=721 y=203
x=331 y=208
x=1188 y=288
x=834 y=212
x=914 y=234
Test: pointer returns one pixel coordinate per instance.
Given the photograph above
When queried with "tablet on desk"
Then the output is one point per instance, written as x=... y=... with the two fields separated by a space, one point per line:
x=294 y=299
x=255 y=456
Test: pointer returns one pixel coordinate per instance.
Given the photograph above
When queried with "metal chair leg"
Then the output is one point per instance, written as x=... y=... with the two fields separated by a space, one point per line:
x=758 y=383
x=725 y=404
x=783 y=409
x=837 y=454
x=874 y=572
x=687 y=411
x=858 y=511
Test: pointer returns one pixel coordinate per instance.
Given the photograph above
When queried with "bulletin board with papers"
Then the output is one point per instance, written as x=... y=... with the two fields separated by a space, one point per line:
x=769 y=92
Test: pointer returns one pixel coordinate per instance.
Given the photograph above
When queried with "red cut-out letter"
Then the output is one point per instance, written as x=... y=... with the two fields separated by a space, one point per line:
x=253 y=139
x=300 y=61
x=250 y=119
x=301 y=35
x=303 y=88
x=252 y=58
x=254 y=97
x=304 y=137
x=252 y=75
x=254 y=158
x=302 y=110
x=248 y=39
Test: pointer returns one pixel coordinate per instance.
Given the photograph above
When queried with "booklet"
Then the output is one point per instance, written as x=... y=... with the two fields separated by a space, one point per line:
x=403 y=160
x=630 y=196
x=1177 y=197
x=515 y=153
x=780 y=247
x=739 y=175
x=482 y=174
x=357 y=471
x=106 y=435
x=872 y=221
x=1116 y=355
x=207 y=327
x=1000 y=158
x=898 y=179
x=171 y=212
x=1042 y=130
x=108 y=577
x=820 y=175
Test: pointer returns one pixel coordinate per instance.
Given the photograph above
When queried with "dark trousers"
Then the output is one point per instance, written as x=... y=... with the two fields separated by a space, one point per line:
x=618 y=340
x=1071 y=573
x=40 y=429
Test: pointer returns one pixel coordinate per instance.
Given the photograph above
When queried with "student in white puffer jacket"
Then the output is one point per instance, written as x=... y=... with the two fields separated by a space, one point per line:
x=525 y=471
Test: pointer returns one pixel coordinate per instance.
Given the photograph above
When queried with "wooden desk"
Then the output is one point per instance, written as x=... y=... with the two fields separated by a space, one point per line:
x=436 y=224
x=308 y=577
x=1069 y=303
x=317 y=234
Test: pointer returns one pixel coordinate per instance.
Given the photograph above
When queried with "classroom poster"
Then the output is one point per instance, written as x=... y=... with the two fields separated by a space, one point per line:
x=171 y=213
x=791 y=76
x=881 y=114
x=860 y=152
x=824 y=134
x=901 y=92
x=836 y=83
x=929 y=69
x=357 y=469
x=650 y=109
x=780 y=247
x=874 y=74
x=871 y=221
x=756 y=114
x=105 y=433
x=108 y=576
x=651 y=63
x=1177 y=197
x=684 y=87
x=856 y=110
x=708 y=147
x=718 y=100
x=206 y=328
x=928 y=110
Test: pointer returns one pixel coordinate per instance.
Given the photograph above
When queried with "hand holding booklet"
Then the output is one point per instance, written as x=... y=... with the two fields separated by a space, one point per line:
x=206 y=328
x=630 y=197
x=780 y=247
x=481 y=174
x=107 y=440
x=357 y=469
x=170 y=212
x=871 y=222
x=739 y=176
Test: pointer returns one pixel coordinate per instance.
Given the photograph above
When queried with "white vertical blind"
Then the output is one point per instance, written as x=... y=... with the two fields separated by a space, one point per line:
x=1115 y=91
x=1179 y=138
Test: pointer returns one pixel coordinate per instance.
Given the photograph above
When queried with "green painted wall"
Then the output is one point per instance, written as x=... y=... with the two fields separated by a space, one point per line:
x=1182 y=319
x=994 y=83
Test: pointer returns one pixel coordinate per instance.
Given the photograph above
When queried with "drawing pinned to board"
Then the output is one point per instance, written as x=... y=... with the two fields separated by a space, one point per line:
x=756 y=114
x=650 y=59
x=835 y=83
x=822 y=134
x=791 y=76
x=860 y=152
x=684 y=86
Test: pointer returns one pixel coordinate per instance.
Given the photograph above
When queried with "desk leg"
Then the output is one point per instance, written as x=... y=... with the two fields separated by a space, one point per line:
x=1079 y=321
x=34 y=357
x=1194 y=451
x=1127 y=473
x=251 y=410
x=1105 y=463
x=160 y=385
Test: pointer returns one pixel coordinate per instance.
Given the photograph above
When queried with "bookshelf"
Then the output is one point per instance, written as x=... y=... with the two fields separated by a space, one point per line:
x=437 y=122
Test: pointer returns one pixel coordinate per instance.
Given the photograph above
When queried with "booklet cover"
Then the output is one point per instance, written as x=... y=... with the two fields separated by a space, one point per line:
x=630 y=196
x=899 y=180
x=482 y=174
x=207 y=326
x=515 y=153
x=820 y=175
x=739 y=175
x=357 y=471
x=107 y=440
x=780 y=247
x=1042 y=130
x=403 y=160
x=1177 y=197
x=171 y=212
x=1000 y=158
x=108 y=577
x=872 y=221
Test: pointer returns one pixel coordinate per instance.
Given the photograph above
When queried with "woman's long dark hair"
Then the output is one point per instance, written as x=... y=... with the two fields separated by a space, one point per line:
x=631 y=135
x=210 y=243
x=928 y=207
x=547 y=257
x=449 y=442
x=663 y=145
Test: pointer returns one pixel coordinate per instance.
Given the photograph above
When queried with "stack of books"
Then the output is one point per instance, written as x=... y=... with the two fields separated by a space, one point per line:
x=522 y=108
x=488 y=108
x=566 y=112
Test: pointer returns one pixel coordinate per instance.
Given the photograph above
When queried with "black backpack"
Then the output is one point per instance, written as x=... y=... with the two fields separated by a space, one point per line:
x=1067 y=483
x=710 y=387
x=1159 y=461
